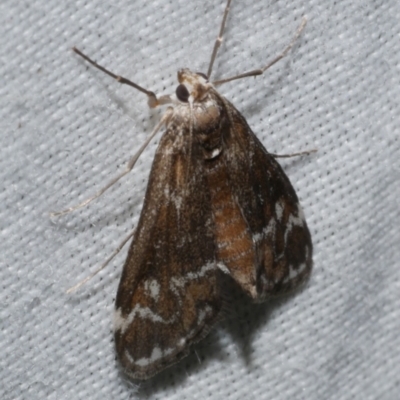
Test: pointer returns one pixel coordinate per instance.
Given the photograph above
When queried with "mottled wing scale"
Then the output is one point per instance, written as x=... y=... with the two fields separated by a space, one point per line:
x=276 y=241
x=168 y=296
x=262 y=239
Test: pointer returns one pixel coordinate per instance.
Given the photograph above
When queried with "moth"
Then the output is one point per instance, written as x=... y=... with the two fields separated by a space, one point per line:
x=216 y=203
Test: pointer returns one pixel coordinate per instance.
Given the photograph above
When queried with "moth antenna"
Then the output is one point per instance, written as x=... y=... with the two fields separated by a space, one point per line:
x=219 y=39
x=260 y=71
x=115 y=252
x=153 y=100
x=302 y=153
x=128 y=168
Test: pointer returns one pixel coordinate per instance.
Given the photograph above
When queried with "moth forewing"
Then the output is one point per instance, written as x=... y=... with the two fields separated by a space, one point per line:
x=281 y=242
x=168 y=297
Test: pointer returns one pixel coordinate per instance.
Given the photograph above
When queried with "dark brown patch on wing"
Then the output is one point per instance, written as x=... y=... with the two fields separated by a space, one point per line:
x=232 y=235
x=168 y=296
x=268 y=203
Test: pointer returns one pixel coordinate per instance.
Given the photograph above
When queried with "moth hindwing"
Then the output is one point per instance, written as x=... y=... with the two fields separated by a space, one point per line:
x=216 y=203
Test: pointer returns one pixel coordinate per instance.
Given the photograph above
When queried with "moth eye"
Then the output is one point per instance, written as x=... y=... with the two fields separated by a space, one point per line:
x=202 y=75
x=182 y=93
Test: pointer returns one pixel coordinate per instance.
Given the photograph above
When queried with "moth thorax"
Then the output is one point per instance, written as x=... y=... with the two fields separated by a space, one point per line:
x=206 y=116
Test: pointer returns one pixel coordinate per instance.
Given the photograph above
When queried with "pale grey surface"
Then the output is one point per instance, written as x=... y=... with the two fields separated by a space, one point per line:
x=66 y=129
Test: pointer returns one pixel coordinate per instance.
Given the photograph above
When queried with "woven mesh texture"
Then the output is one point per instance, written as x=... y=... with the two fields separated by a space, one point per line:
x=66 y=129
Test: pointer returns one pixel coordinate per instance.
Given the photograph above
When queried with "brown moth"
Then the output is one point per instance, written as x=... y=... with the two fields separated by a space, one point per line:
x=216 y=203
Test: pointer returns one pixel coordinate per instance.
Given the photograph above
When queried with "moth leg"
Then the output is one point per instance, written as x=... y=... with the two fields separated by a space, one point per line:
x=153 y=100
x=128 y=168
x=260 y=71
x=302 y=153
x=115 y=252
x=219 y=39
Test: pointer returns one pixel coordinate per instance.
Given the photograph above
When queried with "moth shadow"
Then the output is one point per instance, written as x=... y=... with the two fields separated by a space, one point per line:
x=240 y=322
x=244 y=318
x=98 y=217
x=255 y=105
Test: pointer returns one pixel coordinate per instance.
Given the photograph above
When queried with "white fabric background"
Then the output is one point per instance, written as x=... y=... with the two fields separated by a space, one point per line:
x=66 y=129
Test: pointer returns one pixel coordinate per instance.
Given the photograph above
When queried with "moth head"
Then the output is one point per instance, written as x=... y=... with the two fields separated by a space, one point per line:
x=193 y=86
